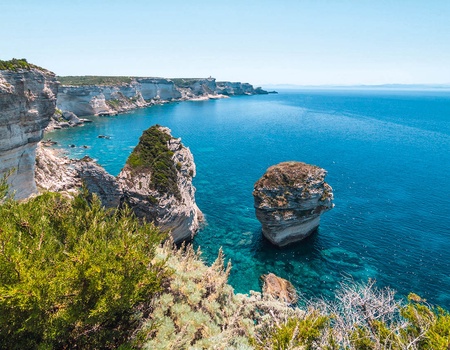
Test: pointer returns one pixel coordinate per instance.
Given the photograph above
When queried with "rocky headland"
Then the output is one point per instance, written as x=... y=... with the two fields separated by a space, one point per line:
x=84 y=96
x=27 y=101
x=156 y=182
x=289 y=199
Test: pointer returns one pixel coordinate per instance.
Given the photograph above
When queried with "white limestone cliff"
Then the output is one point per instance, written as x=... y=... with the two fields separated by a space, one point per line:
x=86 y=100
x=27 y=102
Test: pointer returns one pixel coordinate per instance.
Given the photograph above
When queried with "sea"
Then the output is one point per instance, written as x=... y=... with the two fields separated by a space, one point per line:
x=387 y=153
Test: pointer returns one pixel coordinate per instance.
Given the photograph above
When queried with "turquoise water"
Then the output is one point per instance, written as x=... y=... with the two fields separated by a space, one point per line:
x=388 y=161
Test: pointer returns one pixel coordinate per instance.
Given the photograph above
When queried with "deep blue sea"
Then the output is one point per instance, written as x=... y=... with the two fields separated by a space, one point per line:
x=387 y=154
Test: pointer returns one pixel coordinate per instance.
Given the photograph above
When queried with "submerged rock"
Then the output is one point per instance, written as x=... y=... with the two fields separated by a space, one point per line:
x=279 y=288
x=289 y=199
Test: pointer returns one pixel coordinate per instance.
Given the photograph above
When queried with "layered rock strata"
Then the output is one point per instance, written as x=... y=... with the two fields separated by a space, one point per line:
x=157 y=183
x=289 y=199
x=110 y=99
x=61 y=174
x=27 y=102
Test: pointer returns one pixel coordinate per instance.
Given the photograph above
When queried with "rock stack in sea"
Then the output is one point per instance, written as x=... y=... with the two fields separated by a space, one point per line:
x=157 y=183
x=289 y=199
x=27 y=101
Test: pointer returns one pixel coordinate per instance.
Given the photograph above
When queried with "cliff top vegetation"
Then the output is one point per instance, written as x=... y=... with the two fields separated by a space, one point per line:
x=80 y=80
x=185 y=82
x=16 y=64
x=152 y=154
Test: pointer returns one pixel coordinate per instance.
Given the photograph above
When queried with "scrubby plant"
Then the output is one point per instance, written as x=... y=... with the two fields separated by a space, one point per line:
x=16 y=64
x=94 y=80
x=153 y=155
x=198 y=309
x=73 y=275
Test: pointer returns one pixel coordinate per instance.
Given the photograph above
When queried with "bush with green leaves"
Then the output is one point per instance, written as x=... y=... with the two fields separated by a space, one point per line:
x=73 y=274
x=153 y=155
x=361 y=317
x=16 y=64
x=94 y=80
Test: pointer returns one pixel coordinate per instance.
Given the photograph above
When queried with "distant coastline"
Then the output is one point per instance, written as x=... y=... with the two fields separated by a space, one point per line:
x=409 y=87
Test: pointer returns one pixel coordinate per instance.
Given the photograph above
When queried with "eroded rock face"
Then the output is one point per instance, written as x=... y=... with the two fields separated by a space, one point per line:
x=61 y=174
x=27 y=102
x=161 y=193
x=111 y=99
x=142 y=92
x=170 y=201
x=289 y=199
x=279 y=288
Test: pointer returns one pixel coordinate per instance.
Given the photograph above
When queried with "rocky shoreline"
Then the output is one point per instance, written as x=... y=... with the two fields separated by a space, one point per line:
x=75 y=101
x=162 y=194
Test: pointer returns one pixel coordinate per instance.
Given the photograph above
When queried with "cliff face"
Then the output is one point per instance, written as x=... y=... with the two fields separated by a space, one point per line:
x=27 y=101
x=157 y=183
x=289 y=199
x=110 y=99
x=140 y=92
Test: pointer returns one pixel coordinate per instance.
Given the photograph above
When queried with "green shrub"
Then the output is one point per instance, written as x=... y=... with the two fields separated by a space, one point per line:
x=16 y=64
x=153 y=155
x=73 y=275
x=94 y=80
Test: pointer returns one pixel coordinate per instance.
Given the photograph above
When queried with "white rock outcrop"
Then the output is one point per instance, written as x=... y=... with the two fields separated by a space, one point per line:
x=27 y=102
x=289 y=199
x=86 y=100
x=110 y=99
x=169 y=204
x=170 y=207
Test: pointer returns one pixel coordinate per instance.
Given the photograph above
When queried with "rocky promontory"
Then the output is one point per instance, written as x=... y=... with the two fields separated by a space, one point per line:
x=91 y=95
x=27 y=102
x=156 y=182
x=289 y=199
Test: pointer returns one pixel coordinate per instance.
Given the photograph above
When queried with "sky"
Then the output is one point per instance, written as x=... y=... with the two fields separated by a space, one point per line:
x=303 y=42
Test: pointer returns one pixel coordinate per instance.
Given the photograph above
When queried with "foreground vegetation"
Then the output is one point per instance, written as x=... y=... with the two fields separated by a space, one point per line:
x=73 y=275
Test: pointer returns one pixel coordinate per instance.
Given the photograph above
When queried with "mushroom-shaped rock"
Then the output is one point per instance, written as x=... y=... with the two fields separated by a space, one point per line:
x=289 y=199
x=279 y=288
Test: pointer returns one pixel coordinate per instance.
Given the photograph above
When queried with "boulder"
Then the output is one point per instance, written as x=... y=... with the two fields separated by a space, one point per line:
x=71 y=118
x=289 y=199
x=279 y=288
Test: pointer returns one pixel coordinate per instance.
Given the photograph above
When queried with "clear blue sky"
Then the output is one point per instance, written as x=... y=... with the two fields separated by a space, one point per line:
x=261 y=42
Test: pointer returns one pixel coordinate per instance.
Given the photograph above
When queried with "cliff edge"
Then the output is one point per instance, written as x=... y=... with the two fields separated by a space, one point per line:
x=289 y=199
x=27 y=102
x=96 y=95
